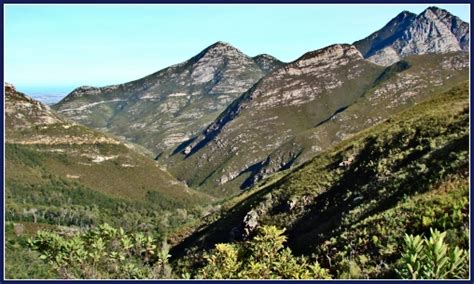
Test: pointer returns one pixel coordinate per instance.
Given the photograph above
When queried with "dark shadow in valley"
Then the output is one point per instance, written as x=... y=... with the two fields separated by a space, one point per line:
x=332 y=115
x=183 y=145
x=215 y=128
x=391 y=70
x=253 y=170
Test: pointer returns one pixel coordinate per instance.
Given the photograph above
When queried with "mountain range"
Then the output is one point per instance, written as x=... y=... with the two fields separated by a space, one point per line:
x=223 y=120
x=347 y=148
x=168 y=107
x=301 y=109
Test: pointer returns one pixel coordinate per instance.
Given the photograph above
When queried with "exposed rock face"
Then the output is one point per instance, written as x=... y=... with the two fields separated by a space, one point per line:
x=9 y=87
x=29 y=122
x=170 y=106
x=433 y=31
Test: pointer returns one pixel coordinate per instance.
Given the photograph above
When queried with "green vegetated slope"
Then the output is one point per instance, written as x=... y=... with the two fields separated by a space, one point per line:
x=64 y=174
x=349 y=207
x=301 y=109
x=54 y=163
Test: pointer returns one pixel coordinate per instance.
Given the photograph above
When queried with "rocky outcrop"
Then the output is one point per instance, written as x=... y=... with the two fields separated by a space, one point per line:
x=432 y=31
x=22 y=111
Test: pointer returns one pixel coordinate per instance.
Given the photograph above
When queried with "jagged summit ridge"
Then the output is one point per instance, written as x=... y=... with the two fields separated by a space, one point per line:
x=257 y=124
x=284 y=88
x=218 y=50
x=434 y=30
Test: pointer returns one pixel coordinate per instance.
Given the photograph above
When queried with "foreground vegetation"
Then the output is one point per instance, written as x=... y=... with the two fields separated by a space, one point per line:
x=349 y=207
x=390 y=202
x=107 y=253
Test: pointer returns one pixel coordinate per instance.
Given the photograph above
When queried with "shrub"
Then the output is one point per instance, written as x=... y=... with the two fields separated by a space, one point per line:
x=432 y=258
x=263 y=257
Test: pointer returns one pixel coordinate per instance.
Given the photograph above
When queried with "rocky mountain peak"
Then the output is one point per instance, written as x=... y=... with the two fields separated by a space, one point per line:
x=434 y=30
x=221 y=44
x=264 y=57
x=22 y=111
x=433 y=12
x=400 y=20
x=379 y=39
x=85 y=89
x=405 y=14
x=82 y=91
x=219 y=49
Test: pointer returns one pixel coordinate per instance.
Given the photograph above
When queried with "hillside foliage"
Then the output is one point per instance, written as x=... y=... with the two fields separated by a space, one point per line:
x=103 y=253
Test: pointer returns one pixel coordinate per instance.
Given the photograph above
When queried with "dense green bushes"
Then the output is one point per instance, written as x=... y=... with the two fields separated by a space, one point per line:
x=263 y=257
x=106 y=252
x=23 y=263
x=62 y=202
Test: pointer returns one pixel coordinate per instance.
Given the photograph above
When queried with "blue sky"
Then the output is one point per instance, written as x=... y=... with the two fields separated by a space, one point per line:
x=55 y=48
